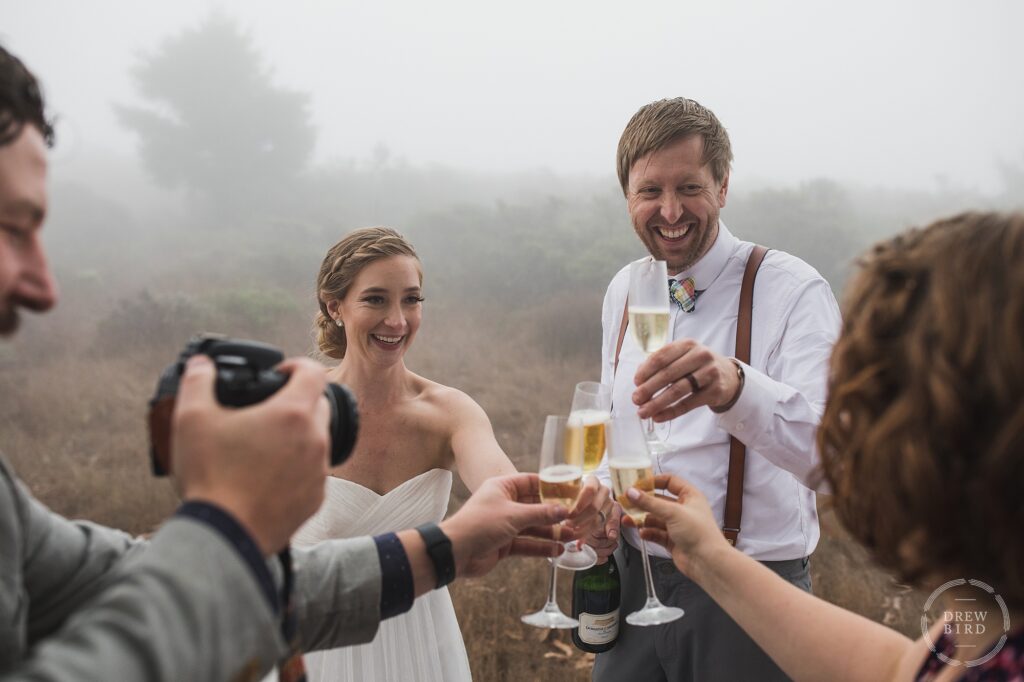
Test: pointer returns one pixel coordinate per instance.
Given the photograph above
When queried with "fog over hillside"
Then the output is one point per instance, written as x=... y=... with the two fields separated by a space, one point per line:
x=208 y=154
x=914 y=95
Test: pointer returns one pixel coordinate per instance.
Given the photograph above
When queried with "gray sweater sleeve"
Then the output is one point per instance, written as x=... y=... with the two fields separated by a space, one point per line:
x=337 y=593
x=84 y=602
x=97 y=605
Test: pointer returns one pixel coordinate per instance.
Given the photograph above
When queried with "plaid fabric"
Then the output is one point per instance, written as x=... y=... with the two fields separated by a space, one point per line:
x=683 y=294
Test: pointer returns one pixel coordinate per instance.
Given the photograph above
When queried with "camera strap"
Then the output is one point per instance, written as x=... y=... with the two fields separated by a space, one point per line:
x=290 y=668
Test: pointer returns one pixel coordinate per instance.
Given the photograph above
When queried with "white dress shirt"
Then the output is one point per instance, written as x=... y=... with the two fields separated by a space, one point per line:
x=795 y=323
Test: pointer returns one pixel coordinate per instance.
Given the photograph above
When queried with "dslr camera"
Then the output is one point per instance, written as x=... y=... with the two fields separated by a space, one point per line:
x=245 y=375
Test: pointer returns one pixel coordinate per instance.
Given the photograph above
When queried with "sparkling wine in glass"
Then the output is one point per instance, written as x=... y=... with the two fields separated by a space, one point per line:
x=562 y=463
x=590 y=413
x=561 y=480
x=630 y=466
x=648 y=319
x=584 y=447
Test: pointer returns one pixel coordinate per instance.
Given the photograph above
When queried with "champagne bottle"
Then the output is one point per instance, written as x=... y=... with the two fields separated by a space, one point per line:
x=595 y=604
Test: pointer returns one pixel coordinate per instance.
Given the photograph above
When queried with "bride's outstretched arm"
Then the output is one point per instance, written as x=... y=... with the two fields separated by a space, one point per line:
x=479 y=457
x=477 y=453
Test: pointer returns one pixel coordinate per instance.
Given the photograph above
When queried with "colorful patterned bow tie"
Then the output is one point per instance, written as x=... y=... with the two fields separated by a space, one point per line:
x=683 y=294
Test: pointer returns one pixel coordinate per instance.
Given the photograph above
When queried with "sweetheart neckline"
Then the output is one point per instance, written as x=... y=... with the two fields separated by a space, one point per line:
x=397 y=487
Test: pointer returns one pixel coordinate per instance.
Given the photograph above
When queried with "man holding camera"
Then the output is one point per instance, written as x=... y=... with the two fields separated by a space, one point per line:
x=200 y=600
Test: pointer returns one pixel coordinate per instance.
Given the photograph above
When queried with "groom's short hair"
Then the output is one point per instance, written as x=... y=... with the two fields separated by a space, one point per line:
x=659 y=124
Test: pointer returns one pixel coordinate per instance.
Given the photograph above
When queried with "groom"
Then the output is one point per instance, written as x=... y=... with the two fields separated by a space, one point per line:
x=673 y=162
x=200 y=600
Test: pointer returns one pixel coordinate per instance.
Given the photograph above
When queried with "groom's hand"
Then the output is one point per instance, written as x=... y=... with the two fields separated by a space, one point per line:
x=681 y=376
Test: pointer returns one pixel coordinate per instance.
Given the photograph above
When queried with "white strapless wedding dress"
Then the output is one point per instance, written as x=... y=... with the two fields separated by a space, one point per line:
x=425 y=643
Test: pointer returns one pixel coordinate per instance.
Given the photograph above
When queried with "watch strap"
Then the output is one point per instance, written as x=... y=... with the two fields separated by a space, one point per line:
x=439 y=549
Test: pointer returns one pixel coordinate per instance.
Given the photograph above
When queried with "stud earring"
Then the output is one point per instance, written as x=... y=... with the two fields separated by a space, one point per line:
x=339 y=322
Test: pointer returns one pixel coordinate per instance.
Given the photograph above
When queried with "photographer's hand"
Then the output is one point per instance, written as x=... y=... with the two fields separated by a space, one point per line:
x=502 y=518
x=264 y=464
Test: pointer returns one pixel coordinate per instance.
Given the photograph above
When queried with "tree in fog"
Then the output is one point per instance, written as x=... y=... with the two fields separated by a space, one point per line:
x=216 y=124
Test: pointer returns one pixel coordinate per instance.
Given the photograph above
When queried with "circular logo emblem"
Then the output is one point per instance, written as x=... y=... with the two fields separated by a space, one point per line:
x=972 y=610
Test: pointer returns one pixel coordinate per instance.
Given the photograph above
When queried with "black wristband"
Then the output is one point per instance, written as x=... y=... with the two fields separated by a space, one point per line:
x=439 y=549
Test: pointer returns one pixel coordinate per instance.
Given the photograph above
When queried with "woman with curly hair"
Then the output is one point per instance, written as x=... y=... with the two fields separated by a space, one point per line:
x=922 y=446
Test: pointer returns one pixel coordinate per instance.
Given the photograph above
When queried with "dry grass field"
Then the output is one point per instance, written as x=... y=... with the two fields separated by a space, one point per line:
x=71 y=421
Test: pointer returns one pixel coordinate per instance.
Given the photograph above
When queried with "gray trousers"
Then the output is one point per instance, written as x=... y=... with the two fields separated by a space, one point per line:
x=704 y=645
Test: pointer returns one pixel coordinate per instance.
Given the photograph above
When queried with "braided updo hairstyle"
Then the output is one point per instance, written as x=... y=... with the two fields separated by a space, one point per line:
x=339 y=269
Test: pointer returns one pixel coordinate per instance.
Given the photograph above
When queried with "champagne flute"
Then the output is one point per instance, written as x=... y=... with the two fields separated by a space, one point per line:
x=630 y=466
x=560 y=482
x=584 y=448
x=648 y=319
x=591 y=410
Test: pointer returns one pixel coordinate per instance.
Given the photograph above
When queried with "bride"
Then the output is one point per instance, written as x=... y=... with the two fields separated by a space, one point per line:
x=413 y=433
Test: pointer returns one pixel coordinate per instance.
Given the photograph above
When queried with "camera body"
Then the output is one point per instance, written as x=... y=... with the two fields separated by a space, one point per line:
x=245 y=376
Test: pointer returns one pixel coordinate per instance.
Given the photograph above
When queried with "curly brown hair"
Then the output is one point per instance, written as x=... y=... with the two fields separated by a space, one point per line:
x=338 y=270
x=922 y=439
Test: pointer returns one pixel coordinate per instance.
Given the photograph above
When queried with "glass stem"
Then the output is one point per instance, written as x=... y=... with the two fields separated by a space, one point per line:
x=551 y=588
x=652 y=597
x=572 y=545
x=649 y=434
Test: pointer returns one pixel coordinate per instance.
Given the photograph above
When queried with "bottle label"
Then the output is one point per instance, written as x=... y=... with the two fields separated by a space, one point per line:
x=599 y=628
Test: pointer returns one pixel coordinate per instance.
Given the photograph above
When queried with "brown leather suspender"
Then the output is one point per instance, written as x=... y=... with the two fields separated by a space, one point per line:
x=737 y=451
x=622 y=335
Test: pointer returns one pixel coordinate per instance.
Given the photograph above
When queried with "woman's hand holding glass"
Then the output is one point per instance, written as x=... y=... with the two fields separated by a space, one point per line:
x=682 y=522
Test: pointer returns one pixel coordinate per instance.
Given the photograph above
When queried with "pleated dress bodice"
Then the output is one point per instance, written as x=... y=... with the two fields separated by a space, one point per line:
x=425 y=643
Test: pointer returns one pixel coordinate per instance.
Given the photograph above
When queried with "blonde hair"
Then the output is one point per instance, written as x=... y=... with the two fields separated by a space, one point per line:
x=339 y=269
x=661 y=123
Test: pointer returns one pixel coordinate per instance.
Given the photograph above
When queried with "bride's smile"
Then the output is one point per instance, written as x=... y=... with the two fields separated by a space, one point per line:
x=383 y=308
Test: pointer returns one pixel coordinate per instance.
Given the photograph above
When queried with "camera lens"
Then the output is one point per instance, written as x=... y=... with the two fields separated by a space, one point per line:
x=344 y=422
x=244 y=377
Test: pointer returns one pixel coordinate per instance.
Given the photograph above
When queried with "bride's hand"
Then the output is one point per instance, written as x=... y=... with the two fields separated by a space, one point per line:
x=591 y=508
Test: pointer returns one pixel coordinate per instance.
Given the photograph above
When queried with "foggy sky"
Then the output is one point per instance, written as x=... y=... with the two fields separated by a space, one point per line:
x=887 y=93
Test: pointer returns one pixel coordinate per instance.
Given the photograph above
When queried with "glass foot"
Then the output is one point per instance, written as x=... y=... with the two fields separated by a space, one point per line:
x=550 y=617
x=655 y=614
x=574 y=559
x=657 y=447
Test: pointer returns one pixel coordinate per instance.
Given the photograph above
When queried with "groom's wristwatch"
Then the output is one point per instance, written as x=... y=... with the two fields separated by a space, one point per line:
x=439 y=549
